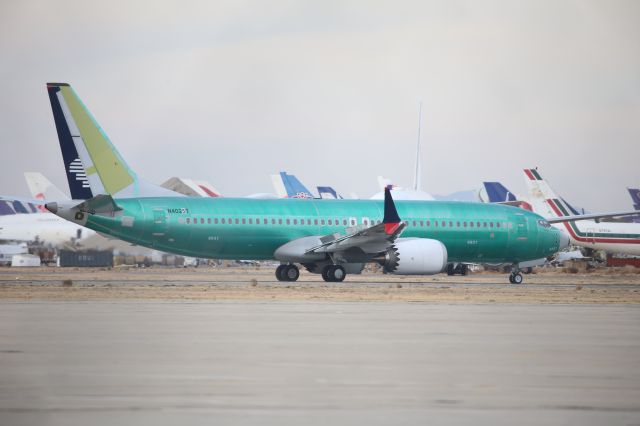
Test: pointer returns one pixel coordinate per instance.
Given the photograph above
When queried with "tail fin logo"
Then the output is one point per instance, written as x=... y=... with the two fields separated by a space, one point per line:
x=302 y=195
x=77 y=169
x=532 y=174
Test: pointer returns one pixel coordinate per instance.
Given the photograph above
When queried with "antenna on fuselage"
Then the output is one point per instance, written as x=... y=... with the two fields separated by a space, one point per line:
x=416 y=177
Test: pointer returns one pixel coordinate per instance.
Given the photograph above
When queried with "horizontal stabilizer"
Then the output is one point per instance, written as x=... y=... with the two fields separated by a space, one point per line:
x=100 y=204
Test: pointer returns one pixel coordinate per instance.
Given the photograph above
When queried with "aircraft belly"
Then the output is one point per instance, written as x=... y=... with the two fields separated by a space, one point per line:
x=630 y=249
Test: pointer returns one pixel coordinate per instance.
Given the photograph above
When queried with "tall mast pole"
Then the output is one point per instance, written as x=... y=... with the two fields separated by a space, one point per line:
x=416 y=177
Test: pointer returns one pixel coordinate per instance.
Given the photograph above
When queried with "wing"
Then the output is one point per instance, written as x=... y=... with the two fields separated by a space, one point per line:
x=372 y=239
x=594 y=216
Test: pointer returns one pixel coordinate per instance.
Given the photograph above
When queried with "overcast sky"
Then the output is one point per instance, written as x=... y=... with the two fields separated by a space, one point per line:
x=232 y=92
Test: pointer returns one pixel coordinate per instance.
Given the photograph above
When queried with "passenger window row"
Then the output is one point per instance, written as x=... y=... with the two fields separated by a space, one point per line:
x=457 y=224
x=343 y=222
x=274 y=221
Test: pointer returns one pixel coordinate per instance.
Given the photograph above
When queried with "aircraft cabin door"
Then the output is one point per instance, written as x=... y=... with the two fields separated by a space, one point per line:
x=160 y=224
x=521 y=226
x=520 y=237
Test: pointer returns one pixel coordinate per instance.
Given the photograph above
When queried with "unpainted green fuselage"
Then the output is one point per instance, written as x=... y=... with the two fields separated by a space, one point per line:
x=244 y=228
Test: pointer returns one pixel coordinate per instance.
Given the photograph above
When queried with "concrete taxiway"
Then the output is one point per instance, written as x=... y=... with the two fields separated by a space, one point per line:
x=304 y=362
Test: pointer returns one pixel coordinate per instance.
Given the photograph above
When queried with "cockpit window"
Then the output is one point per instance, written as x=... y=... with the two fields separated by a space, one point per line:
x=544 y=223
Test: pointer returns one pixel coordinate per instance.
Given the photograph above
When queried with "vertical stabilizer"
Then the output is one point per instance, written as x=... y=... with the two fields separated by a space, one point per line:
x=73 y=167
x=105 y=171
x=42 y=189
x=635 y=197
x=294 y=188
x=278 y=186
x=327 y=192
x=191 y=187
x=543 y=198
x=498 y=193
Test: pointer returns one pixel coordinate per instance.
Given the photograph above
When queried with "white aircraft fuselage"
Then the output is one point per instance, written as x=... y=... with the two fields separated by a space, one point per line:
x=45 y=227
x=613 y=237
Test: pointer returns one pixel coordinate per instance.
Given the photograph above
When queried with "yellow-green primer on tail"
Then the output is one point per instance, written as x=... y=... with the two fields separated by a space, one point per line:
x=112 y=170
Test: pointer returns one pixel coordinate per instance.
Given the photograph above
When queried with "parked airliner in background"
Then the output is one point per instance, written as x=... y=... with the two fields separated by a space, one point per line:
x=24 y=221
x=634 y=193
x=613 y=237
x=400 y=193
x=42 y=189
x=288 y=186
x=328 y=237
x=191 y=187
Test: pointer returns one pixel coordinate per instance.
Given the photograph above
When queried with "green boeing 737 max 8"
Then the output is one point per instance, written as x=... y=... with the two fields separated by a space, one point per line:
x=328 y=237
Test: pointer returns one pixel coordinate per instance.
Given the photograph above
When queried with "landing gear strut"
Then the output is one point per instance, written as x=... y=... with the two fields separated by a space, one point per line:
x=333 y=273
x=287 y=273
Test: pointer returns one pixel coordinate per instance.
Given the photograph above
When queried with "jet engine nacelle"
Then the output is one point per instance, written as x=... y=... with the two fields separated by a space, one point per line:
x=415 y=256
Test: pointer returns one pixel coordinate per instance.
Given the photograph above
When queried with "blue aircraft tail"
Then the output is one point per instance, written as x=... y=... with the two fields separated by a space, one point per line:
x=328 y=192
x=497 y=193
x=294 y=188
x=76 y=176
x=635 y=196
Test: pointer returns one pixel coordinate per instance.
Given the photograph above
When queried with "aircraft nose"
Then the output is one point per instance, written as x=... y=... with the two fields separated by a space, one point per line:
x=52 y=207
x=564 y=241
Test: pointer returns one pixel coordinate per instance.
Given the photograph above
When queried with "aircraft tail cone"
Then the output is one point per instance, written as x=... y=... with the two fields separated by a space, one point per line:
x=52 y=207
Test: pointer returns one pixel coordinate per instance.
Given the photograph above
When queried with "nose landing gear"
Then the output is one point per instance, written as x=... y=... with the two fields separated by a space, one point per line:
x=515 y=277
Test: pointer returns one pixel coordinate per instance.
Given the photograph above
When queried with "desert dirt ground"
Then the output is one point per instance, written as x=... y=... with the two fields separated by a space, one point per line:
x=618 y=286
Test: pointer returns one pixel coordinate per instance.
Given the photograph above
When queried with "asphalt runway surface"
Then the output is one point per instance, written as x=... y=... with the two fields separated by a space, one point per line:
x=323 y=362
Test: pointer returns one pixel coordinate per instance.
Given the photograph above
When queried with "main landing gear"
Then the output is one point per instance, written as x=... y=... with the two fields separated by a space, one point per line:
x=333 y=273
x=330 y=273
x=287 y=273
x=457 y=269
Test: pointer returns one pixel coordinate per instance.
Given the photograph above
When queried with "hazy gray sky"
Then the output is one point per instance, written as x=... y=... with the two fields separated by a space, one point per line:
x=232 y=91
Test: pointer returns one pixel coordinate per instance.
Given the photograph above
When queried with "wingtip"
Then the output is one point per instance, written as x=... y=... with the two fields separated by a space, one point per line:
x=390 y=213
x=390 y=228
